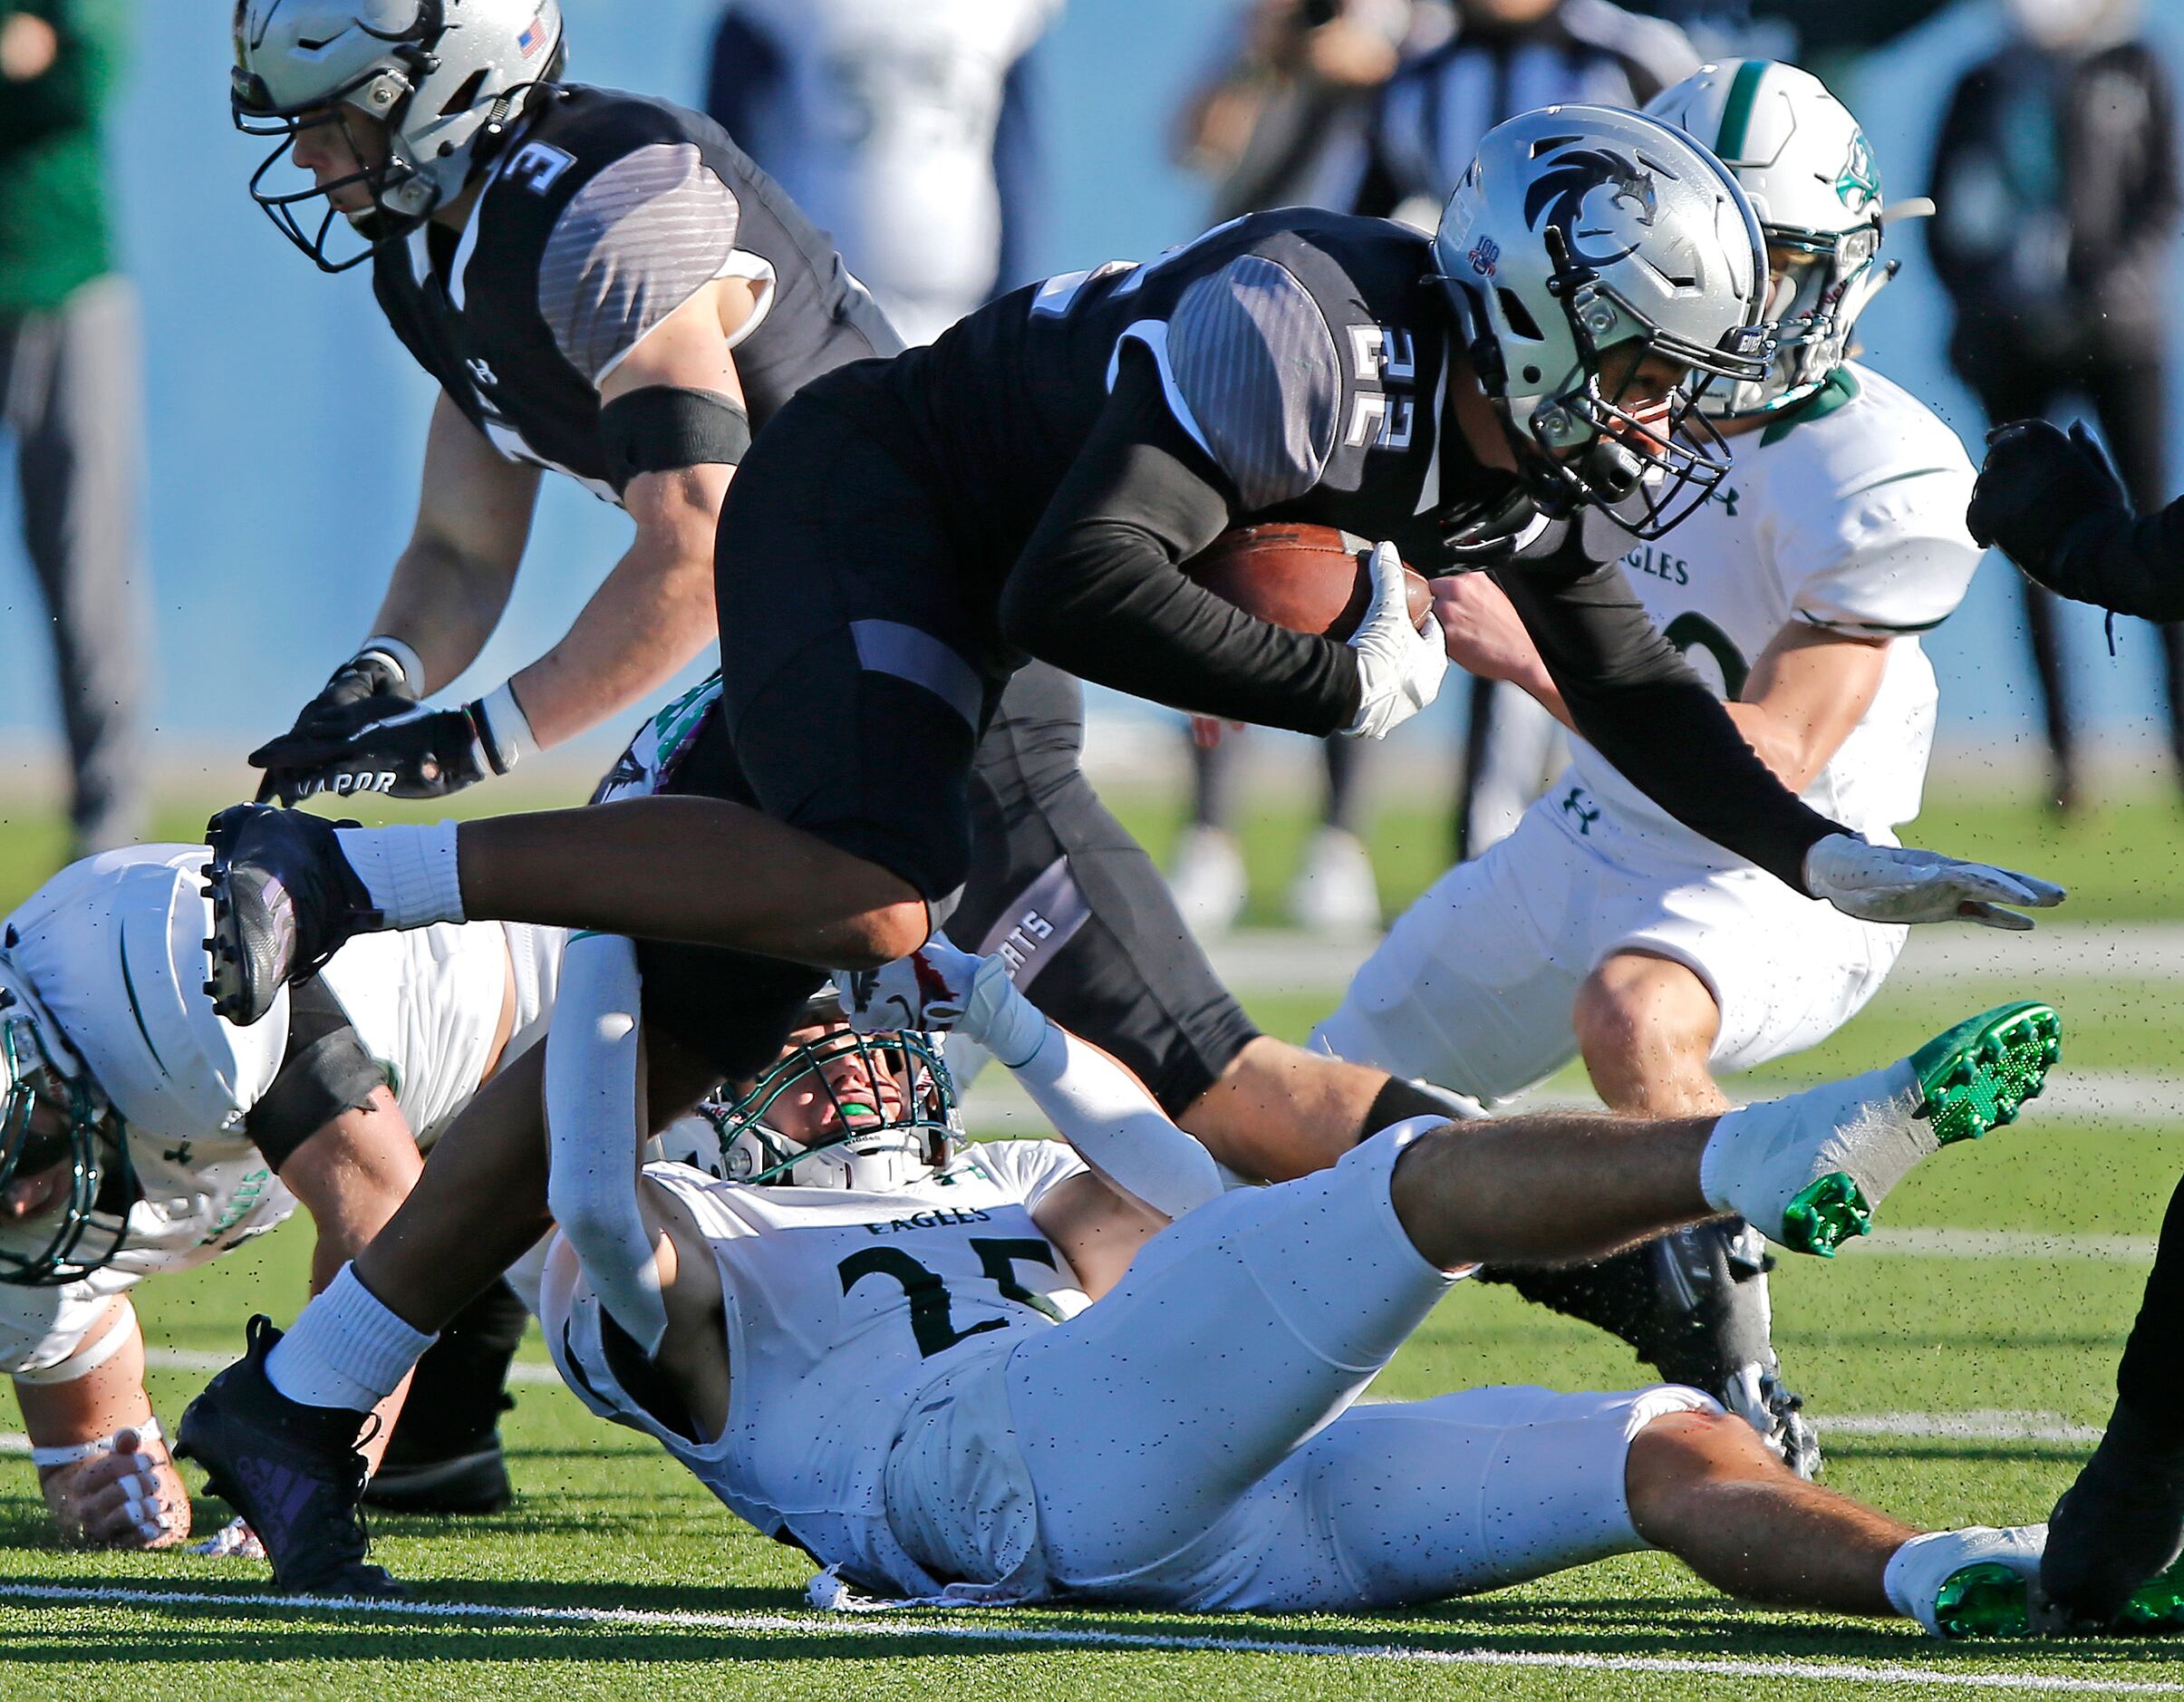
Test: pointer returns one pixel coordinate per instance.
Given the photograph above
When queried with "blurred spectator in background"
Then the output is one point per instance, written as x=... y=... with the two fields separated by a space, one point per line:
x=1291 y=85
x=902 y=128
x=1506 y=57
x=2055 y=176
x=71 y=388
x=1280 y=122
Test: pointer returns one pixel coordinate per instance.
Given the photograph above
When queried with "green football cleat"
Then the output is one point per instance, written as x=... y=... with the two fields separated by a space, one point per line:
x=1979 y=1075
x=2157 y=1605
x=1809 y=1169
x=1985 y=1599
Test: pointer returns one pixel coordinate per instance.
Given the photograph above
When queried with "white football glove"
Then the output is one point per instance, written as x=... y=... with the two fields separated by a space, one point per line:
x=1887 y=883
x=1399 y=668
x=925 y=991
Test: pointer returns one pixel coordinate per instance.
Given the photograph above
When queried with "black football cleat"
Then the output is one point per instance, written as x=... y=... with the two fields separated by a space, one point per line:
x=291 y=1470
x=2118 y=1527
x=283 y=901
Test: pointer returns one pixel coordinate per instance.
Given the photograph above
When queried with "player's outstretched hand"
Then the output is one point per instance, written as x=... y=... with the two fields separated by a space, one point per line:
x=2037 y=486
x=1399 y=667
x=927 y=990
x=385 y=743
x=118 y=1497
x=1899 y=884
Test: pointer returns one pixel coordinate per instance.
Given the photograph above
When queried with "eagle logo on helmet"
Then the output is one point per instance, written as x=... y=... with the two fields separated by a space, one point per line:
x=1561 y=195
x=1857 y=184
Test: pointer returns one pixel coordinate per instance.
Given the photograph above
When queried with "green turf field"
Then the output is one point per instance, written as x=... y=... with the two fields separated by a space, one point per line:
x=1963 y=1376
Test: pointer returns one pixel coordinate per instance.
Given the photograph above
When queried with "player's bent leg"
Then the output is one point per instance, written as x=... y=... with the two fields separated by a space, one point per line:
x=1694 y=1303
x=287 y=891
x=1236 y=1334
x=1411 y=1502
x=1646 y=1025
x=1472 y=987
x=1278 y=1111
x=444 y=1453
x=1702 y=1488
x=278 y=1435
x=1059 y=888
x=2120 y=1524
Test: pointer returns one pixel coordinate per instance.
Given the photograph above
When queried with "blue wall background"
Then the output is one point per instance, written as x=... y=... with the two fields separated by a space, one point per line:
x=286 y=425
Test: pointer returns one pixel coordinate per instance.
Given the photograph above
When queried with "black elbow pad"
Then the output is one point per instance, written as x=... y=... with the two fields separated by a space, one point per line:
x=660 y=427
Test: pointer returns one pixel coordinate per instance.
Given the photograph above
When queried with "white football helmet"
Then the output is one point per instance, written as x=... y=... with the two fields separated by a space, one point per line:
x=1808 y=169
x=1578 y=229
x=445 y=78
x=102 y=1010
x=870 y=1146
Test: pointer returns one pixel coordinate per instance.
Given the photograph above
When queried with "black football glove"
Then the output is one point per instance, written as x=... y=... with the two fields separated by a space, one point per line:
x=2037 y=487
x=388 y=743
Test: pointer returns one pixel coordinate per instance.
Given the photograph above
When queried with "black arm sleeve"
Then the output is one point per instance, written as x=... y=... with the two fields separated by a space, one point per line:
x=2132 y=567
x=1097 y=589
x=325 y=1071
x=1631 y=695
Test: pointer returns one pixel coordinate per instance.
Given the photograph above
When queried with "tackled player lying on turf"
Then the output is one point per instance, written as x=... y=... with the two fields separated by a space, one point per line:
x=142 y=1134
x=1602 y=926
x=994 y=1375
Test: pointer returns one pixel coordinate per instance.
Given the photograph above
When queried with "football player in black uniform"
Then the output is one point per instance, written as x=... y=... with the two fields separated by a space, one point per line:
x=2051 y=503
x=601 y=284
x=607 y=285
x=906 y=532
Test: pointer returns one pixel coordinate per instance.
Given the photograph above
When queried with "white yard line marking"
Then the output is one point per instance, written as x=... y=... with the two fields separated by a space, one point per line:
x=1981 y=1425
x=206 y=1360
x=887 y=1626
x=1912 y=1242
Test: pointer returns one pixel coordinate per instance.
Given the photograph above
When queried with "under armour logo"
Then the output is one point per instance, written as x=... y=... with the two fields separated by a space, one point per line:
x=1575 y=805
x=177 y=1154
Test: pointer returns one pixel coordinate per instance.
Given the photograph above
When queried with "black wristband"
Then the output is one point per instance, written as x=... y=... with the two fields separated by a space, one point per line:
x=660 y=427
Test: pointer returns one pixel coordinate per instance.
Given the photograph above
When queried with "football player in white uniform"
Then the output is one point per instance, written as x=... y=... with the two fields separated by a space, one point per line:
x=941 y=1373
x=142 y=1134
x=1603 y=929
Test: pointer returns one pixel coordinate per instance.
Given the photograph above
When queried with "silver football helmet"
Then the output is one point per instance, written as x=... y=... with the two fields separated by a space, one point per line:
x=1579 y=230
x=103 y=1025
x=892 y=1118
x=1808 y=171
x=444 y=78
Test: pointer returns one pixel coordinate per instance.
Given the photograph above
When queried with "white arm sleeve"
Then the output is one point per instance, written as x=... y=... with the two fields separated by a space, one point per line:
x=1096 y=1104
x=1104 y=1111
x=593 y=1131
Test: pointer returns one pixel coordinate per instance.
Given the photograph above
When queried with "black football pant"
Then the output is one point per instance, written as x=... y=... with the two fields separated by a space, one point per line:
x=2151 y=1380
x=2126 y=398
x=870 y=700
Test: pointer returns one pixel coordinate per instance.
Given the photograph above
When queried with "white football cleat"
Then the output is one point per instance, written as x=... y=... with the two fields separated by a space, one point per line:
x=1974 y=1582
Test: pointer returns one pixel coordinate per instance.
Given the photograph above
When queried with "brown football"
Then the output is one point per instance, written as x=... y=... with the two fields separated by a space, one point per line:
x=1308 y=578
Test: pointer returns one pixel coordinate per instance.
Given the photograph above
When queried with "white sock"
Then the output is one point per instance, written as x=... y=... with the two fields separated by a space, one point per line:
x=1862 y=1125
x=410 y=872
x=346 y=1349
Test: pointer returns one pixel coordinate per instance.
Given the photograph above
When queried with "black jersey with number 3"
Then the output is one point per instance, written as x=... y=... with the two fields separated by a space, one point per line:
x=603 y=215
x=1087 y=434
